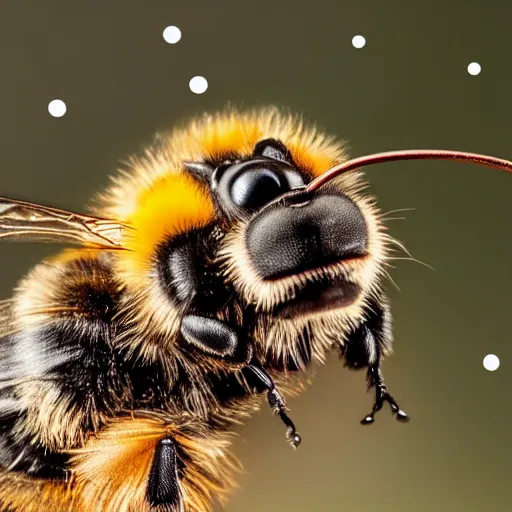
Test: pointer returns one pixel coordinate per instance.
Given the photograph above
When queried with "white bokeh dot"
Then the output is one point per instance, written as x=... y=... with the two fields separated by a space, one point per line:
x=358 y=41
x=57 y=108
x=491 y=362
x=172 y=34
x=198 y=84
x=474 y=68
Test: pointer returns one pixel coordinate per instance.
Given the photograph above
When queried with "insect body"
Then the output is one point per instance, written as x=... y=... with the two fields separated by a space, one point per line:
x=215 y=269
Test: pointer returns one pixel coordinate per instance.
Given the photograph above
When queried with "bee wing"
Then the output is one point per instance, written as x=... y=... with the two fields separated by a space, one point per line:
x=30 y=222
x=5 y=310
x=7 y=326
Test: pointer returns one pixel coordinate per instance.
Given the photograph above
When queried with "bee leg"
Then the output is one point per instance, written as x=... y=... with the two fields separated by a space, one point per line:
x=365 y=348
x=376 y=379
x=276 y=402
x=215 y=338
x=163 y=488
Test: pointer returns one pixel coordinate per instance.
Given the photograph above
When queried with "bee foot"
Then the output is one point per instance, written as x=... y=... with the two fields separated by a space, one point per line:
x=294 y=439
x=367 y=419
x=383 y=396
x=277 y=403
x=292 y=435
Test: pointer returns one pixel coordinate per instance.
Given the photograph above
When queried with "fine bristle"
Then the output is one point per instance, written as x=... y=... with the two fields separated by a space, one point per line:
x=23 y=494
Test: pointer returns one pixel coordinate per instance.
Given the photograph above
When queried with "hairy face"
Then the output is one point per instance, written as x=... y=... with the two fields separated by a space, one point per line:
x=305 y=265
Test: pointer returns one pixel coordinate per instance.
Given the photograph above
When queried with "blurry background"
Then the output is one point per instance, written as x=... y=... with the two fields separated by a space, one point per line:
x=408 y=87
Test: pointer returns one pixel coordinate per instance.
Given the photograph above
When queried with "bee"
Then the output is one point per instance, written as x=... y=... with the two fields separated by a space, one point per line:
x=229 y=257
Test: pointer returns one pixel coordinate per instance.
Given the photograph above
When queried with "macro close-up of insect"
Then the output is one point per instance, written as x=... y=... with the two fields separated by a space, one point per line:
x=229 y=257
x=255 y=256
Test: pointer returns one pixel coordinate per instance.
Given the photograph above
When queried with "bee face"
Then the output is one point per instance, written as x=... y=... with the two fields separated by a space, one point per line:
x=307 y=263
x=298 y=263
x=296 y=239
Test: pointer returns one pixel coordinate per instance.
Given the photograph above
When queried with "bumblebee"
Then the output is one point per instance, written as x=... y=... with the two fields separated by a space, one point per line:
x=218 y=267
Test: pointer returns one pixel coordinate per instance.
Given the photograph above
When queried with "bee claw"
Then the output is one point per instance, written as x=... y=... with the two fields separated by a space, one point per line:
x=402 y=416
x=294 y=438
x=367 y=420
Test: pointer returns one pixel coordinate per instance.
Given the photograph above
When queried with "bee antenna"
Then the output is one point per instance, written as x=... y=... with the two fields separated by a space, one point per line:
x=412 y=154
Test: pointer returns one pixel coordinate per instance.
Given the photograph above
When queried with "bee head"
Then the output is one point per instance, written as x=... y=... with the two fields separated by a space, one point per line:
x=290 y=242
x=306 y=263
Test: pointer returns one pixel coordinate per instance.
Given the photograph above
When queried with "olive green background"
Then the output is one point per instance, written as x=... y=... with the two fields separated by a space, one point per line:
x=407 y=88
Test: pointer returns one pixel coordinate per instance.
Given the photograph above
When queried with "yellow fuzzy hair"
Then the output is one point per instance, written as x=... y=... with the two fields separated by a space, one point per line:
x=19 y=493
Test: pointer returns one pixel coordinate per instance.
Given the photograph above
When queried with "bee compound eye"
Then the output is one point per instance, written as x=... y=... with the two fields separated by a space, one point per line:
x=248 y=186
x=253 y=189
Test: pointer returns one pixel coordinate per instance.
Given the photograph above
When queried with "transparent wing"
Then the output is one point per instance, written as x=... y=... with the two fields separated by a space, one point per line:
x=28 y=222
x=7 y=326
